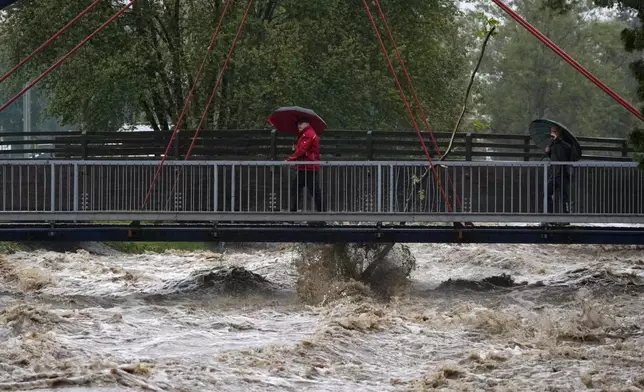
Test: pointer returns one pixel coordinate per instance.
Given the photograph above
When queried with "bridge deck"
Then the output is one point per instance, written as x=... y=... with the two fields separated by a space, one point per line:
x=58 y=200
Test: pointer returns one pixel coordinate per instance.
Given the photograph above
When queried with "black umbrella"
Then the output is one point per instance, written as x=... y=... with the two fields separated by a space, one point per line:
x=540 y=134
x=6 y=3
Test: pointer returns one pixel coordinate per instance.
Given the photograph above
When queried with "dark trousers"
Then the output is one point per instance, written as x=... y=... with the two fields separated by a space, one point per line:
x=310 y=180
x=558 y=185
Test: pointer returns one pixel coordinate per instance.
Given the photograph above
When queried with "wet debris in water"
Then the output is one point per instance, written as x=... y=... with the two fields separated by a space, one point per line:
x=224 y=280
x=490 y=283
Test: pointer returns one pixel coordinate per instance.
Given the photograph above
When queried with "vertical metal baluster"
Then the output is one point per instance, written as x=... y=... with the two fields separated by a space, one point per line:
x=52 y=190
x=35 y=187
x=487 y=187
x=20 y=188
x=13 y=206
x=463 y=205
x=61 y=206
x=520 y=189
x=503 y=189
x=257 y=188
x=4 y=188
x=379 y=188
x=496 y=193
x=602 y=189
x=631 y=191
x=232 y=188
x=528 y=195
x=75 y=187
x=264 y=195
x=512 y=188
x=215 y=188
x=545 y=188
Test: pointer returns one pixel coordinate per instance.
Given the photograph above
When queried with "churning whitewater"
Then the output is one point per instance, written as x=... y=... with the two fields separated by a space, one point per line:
x=475 y=318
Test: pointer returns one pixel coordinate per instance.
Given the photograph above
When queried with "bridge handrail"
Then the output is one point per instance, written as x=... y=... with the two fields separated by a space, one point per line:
x=267 y=144
x=415 y=163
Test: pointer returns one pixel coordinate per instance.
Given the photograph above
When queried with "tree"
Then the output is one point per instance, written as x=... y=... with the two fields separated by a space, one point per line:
x=524 y=80
x=320 y=53
x=11 y=119
x=632 y=38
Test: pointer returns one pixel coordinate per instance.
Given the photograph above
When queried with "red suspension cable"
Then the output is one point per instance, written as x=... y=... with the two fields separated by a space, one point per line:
x=212 y=96
x=219 y=80
x=415 y=95
x=66 y=56
x=49 y=41
x=546 y=41
x=186 y=104
x=404 y=67
x=402 y=94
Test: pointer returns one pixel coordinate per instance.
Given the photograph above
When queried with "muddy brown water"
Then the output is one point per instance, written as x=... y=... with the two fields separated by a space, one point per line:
x=572 y=320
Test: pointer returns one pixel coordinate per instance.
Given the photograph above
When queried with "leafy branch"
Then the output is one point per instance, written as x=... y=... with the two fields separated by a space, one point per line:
x=487 y=33
x=487 y=30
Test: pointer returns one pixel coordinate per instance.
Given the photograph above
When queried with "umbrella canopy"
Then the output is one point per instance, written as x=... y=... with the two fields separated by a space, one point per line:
x=540 y=134
x=6 y=3
x=285 y=119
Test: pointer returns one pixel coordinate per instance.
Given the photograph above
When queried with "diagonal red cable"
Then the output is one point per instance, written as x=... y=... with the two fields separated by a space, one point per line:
x=49 y=41
x=186 y=104
x=546 y=41
x=404 y=67
x=66 y=56
x=415 y=95
x=219 y=79
x=214 y=92
x=409 y=111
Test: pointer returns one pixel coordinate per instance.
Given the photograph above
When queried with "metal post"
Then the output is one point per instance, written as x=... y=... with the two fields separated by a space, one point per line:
x=232 y=188
x=379 y=188
x=545 y=187
x=52 y=187
x=215 y=188
x=391 y=188
x=75 y=187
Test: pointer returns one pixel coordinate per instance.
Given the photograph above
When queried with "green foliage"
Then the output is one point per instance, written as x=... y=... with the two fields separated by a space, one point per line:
x=636 y=139
x=523 y=80
x=487 y=25
x=321 y=54
x=632 y=37
x=480 y=126
x=7 y=248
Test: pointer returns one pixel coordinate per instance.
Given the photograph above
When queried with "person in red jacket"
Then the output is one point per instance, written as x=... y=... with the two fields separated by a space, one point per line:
x=307 y=149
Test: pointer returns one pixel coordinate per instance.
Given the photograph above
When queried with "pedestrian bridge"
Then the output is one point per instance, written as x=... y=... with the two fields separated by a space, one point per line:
x=249 y=201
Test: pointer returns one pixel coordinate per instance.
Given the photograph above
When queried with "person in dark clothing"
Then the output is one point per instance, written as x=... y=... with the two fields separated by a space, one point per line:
x=307 y=149
x=559 y=175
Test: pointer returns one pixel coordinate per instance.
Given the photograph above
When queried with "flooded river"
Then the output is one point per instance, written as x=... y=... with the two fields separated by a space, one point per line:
x=166 y=322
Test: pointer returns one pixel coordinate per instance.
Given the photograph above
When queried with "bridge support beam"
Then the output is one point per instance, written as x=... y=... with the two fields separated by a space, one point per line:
x=328 y=234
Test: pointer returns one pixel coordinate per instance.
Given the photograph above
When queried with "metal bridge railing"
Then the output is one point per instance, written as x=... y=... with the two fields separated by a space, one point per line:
x=602 y=192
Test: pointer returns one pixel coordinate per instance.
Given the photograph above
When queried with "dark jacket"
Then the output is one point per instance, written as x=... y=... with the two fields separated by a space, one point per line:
x=308 y=149
x=560 y=151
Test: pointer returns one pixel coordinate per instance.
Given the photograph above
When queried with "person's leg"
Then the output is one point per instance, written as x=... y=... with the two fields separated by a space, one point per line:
x=565 y=193
x=316 y=191
x=550 y=191
x=558 y=192
x=312 y=186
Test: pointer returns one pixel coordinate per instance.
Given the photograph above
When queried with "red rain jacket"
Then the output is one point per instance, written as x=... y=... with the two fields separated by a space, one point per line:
x=308 y=149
